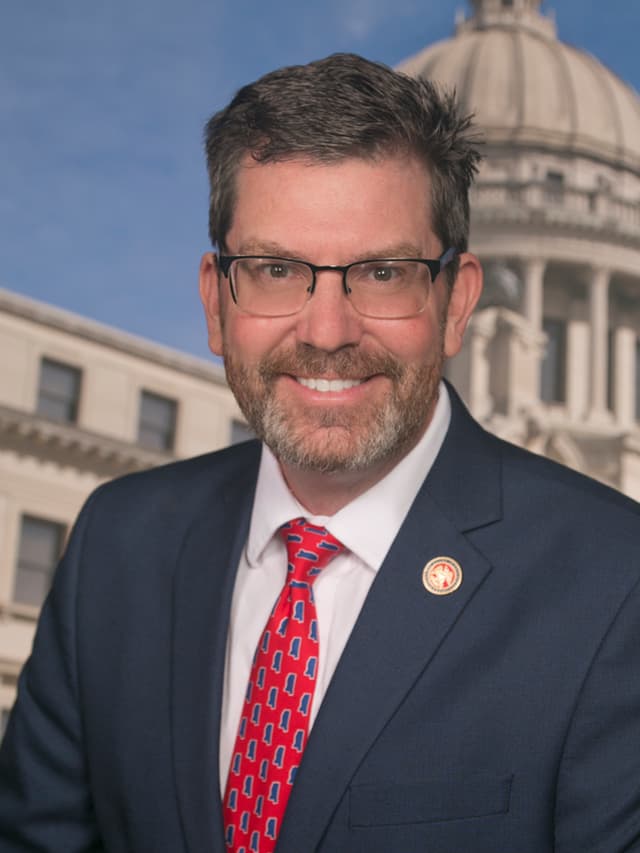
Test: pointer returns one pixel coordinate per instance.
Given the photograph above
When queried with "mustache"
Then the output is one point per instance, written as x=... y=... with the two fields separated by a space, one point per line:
x=344 y=363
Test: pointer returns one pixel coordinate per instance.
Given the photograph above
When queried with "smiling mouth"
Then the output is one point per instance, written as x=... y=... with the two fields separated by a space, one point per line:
x=328 y=384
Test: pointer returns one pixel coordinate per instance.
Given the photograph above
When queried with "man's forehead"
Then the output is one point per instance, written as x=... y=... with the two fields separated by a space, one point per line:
x=353 y=209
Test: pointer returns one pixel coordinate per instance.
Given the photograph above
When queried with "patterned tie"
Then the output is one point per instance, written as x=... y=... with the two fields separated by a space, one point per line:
x=275 y=716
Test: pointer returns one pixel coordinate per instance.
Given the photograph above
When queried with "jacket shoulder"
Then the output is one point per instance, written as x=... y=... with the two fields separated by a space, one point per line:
x=565 y=487
x=185 y=482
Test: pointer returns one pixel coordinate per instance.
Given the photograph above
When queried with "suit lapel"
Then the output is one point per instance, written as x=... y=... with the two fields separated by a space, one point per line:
x=202 y=599
x=400 y=628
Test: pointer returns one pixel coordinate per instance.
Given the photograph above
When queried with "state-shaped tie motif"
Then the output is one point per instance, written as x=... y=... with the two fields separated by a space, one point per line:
x=271 y=828
x=276 y=663
x=301 y=554
x=305 y=704
x=293 y=537
x=298 y=612
x=285 y=719
x=310 y=668
x=294 y=649
x=274 y=793
x=278 y=757
x=272 y=698
x=298 y=740
x=233 y=799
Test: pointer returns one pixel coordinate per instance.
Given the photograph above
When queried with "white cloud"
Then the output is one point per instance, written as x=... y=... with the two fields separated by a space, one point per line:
x=359 y=19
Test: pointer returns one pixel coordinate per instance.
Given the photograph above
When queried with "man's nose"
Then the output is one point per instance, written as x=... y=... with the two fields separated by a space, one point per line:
x=329 y=321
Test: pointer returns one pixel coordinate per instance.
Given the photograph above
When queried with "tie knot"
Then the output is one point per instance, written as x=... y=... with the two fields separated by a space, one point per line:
x=309 y=549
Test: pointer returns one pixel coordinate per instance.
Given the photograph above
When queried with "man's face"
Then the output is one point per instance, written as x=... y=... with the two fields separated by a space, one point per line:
x=327 y=389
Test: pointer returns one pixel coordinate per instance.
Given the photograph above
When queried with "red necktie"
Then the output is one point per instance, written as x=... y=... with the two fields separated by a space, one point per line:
x=275 y=716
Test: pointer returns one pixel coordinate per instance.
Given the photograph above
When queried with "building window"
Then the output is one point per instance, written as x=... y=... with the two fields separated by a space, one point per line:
x=59 y=391
x=554 y=363
x=157 y=422
x=240 y=431
x=554 y=187
x=40 y=548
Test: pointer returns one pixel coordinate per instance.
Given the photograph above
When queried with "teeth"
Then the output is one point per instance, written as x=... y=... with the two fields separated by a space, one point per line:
x=329 y=384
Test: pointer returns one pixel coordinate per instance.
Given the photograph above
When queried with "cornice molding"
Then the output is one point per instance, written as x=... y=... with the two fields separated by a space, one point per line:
x=68 y=446
x=524 y=205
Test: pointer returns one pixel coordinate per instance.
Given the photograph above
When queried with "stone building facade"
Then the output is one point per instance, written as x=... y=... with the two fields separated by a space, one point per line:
x=81 y=403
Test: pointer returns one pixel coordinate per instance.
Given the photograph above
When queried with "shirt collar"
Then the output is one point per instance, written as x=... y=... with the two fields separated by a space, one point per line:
x=386 y=503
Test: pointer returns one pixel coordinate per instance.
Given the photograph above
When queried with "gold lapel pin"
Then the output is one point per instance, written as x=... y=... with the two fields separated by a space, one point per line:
x=442 y=575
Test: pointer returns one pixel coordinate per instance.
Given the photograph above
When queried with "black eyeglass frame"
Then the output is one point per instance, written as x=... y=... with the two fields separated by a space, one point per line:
x=435 y=267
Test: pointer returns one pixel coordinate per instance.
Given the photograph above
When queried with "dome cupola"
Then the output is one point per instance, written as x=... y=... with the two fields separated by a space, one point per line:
x=526 y=87
x=524 y=14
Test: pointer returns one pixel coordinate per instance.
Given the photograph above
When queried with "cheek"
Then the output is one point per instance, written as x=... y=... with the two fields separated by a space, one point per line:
x=415 y=341
x=250 y=339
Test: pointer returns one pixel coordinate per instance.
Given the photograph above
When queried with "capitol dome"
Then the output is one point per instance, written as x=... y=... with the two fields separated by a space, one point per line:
x=528 y=87
x=552 y=357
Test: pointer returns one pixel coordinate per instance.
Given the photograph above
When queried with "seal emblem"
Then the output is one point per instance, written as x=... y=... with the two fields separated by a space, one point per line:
x=442 y=575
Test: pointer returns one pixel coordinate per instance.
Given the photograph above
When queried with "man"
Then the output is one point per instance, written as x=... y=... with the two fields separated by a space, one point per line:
x=469 y=676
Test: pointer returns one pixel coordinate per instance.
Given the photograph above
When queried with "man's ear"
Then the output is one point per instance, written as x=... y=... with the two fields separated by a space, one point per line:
x=463 y=299
x=210 y=296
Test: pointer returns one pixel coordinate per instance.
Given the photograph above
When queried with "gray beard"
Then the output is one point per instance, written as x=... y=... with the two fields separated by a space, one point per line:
x=334 y=442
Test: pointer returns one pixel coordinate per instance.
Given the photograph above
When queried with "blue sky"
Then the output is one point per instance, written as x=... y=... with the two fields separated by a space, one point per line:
x=103 y=197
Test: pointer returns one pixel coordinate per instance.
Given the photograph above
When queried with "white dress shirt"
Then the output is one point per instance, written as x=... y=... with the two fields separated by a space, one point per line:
x=366 y=527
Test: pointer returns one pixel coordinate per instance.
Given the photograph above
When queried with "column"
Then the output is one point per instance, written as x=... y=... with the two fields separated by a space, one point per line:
x=625 y=376
x=578 y=355
x=599 y=332
x=533 y=302
x=533 y=270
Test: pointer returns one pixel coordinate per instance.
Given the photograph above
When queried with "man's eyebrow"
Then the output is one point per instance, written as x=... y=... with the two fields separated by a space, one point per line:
x=264 y=247
x=269 y=248
x=393 y=250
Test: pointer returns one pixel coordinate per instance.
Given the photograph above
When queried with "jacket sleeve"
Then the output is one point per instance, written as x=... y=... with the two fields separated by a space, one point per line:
x=45 y=797
x=598 y=794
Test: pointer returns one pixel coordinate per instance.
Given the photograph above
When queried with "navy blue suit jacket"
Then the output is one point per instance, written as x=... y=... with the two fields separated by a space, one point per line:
x=503 y=718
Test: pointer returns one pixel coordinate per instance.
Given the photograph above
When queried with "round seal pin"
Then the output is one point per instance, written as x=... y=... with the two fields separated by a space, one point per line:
x=442 y=575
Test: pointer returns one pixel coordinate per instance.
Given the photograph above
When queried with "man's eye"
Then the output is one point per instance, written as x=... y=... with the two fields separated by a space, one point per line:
x=384 y=274
x=274 y=270
x=378 y=273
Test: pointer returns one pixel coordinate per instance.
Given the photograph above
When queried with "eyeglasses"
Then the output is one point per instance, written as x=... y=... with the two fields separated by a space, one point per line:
x=384 y=288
